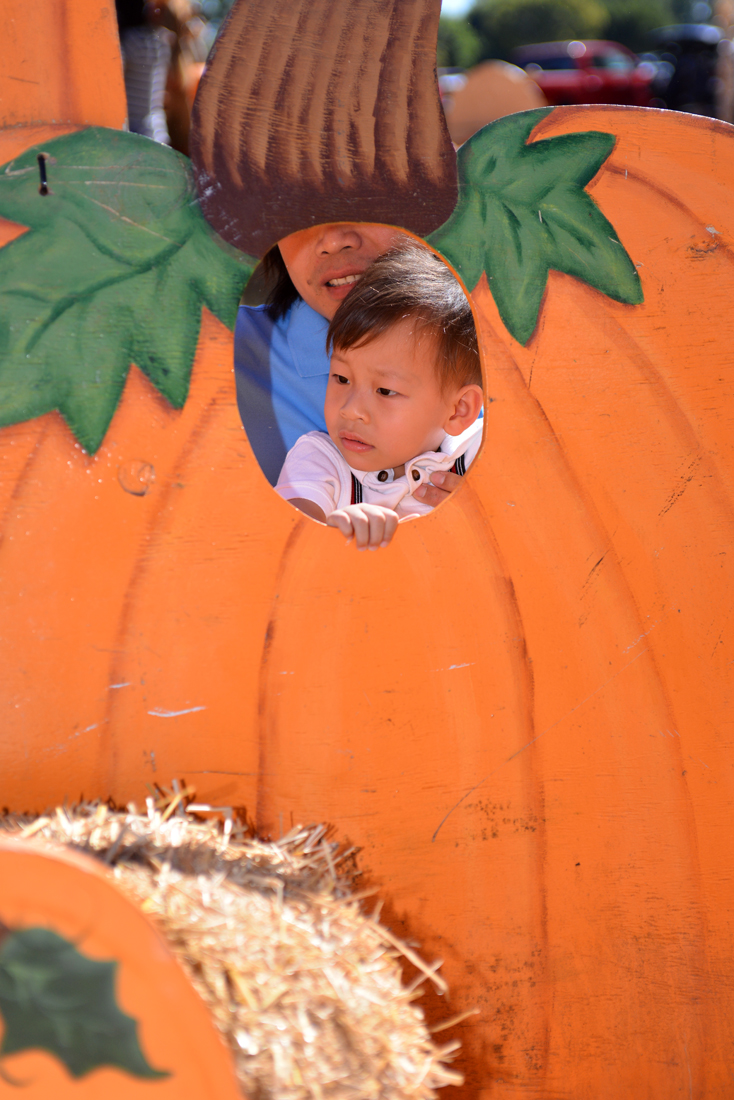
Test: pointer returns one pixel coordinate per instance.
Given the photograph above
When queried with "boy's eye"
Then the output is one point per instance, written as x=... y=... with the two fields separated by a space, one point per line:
x=341 y=379
x=385 y=392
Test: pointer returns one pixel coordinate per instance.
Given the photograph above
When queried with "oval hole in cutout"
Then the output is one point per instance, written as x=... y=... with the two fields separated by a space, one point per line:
x=279 y=361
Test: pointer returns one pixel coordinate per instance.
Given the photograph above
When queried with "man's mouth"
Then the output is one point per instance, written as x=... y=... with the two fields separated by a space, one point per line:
x=344 y=280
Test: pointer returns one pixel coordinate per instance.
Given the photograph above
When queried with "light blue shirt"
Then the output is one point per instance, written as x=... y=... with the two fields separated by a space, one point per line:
x=281 y=370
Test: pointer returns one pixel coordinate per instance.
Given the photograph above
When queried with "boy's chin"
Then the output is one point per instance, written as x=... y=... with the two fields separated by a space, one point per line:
x=365 y=467
x=367 y=463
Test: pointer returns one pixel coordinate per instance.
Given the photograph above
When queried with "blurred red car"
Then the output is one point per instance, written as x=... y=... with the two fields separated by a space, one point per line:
x=587 y=72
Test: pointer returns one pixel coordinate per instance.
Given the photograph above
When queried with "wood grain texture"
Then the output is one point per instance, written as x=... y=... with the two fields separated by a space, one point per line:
x=61 y=63
x=338 y=103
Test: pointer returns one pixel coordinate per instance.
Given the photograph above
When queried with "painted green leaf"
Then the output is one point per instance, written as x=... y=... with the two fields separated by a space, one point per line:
x=523 y=211
x=54 y=998
x=115 y=269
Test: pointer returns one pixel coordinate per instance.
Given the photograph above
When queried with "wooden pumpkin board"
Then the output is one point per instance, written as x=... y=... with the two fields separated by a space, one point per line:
x=93 y=1001
x=521 y=710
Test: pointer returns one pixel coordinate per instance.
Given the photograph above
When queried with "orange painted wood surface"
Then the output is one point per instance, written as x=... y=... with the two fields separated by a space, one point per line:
x=70 y=895
x=521 y=709
x=61 y=63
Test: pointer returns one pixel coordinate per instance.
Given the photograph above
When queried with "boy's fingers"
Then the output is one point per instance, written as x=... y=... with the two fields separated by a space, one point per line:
x=440 y=487
x=378 y=520
x=342 y=521
x=383 y=525
x=361 y=528
x=391 y=526
x=353 y=523
x=377 y=530
x=371 y=526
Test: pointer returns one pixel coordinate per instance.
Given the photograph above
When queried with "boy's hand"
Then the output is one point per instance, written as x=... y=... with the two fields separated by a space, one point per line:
x=442 y=484
x=370 y=525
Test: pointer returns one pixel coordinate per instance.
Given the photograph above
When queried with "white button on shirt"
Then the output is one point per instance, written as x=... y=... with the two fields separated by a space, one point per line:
x=314 y=469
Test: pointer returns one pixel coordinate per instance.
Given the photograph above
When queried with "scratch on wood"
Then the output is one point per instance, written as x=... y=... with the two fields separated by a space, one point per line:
x=527 y=745
x=214 y=771
x=586 y=587
x=593 y=569
x=130 y=221
x=467 y=664
x=465 y=795
x=687 y=479
x=633 y=644
x=158 y=712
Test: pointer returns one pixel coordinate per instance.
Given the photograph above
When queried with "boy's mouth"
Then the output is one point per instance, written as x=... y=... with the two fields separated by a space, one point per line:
x=354 y=443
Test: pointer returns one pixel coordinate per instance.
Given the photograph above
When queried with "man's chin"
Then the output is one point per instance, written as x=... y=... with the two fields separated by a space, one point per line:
x=333 y=298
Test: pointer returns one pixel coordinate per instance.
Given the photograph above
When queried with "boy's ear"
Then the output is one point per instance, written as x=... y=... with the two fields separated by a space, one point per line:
x=466 y=408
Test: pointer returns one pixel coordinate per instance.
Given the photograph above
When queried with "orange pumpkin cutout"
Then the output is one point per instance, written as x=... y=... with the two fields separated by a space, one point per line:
x=93 y=1001
x=519 y=710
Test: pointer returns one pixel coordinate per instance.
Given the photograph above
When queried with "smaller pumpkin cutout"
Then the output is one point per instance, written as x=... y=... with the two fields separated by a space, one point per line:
x=92 y=1000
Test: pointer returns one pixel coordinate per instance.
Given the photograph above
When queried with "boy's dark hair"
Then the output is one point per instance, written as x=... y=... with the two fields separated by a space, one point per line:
x=409 y=281
x=281 y=291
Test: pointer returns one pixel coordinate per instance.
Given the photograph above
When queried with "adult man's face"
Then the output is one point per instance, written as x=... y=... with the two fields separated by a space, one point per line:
x=326 y=261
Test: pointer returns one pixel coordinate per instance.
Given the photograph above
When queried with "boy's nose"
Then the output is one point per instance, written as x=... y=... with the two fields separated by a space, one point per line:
x=354 y=408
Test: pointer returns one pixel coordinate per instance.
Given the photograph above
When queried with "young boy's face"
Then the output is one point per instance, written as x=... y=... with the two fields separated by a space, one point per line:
x=384 y=402
x=325 y=262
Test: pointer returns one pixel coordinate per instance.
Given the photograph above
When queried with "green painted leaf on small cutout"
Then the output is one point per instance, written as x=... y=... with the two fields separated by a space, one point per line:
x=114 y=270
x=523 y=211
x=54 y=998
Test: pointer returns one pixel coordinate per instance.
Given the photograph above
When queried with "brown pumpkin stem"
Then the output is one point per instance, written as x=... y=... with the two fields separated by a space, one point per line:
x=312 y=111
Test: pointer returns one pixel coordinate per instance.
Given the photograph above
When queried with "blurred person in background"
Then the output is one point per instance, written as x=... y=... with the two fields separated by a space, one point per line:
x=164 y=47
x=190 y=43
x=146 y=55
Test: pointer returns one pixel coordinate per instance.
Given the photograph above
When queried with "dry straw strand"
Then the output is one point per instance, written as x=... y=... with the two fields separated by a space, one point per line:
x=306 y=990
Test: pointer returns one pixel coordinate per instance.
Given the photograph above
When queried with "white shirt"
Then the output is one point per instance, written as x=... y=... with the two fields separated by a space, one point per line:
x=314 y=469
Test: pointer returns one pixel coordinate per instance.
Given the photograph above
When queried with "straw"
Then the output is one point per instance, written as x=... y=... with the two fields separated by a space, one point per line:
x=306 y=990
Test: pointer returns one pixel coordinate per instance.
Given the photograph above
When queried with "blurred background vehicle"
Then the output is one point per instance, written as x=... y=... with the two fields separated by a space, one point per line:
x=587 y=72
x=687 y=78
x=674 y=54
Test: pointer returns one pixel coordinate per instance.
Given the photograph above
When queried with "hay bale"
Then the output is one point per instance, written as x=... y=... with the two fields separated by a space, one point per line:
x=305 y=988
